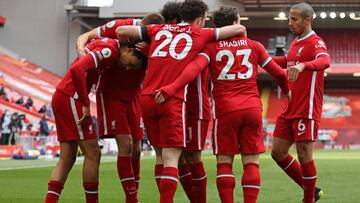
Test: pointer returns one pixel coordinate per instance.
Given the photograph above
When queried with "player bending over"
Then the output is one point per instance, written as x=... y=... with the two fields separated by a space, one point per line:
x=118 y=108
x=71 y=106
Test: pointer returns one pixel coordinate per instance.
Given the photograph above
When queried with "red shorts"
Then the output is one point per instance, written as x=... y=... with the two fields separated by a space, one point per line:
x=67 y=111
x=239 y=132
x=196 y=132
x=113 y=116
x=164 y=122
x=297 y=129
x=137 y=132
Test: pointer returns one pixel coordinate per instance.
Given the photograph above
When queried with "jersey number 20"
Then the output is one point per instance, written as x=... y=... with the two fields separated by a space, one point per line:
x=173 y=41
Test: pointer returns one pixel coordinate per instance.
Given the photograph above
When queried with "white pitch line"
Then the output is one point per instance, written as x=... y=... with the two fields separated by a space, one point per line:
x=78 y=161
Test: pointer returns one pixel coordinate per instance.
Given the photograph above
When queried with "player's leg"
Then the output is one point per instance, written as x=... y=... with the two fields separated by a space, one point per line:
x=159 y=165
x=124 y=166
x=251 y=146
x=282 y=141
x=60 y=173
x=137 y=132
x=92 y=154
x=169 y=178
x=251 y=178
x=225 y=146
x=185 y=178
x=172 y=140
x=225 y=179
x=151 y=123
x=135 y=161
x=306 y=131
x=305 y=155
x=198 y=130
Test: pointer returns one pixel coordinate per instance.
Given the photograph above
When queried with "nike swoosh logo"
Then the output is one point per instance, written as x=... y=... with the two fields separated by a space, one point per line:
x=300 y=133
x=130 y=193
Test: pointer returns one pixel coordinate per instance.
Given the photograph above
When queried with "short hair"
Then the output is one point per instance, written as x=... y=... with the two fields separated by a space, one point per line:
x=192 y=9
x=225 y=15
x=171 y=10
x=152 y=18
x=305 y=9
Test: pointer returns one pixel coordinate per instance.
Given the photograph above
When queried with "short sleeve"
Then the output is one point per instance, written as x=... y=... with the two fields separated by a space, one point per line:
x=206 y=54
x=108 y=30
x=104 y=56
x=264 y=57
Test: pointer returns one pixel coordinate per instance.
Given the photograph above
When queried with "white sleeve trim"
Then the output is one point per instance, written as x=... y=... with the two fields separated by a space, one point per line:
x=99 y=31
x=140 y=34
x=95 y=60
x=217 y=33
x=207 y=56
x=136 y=22
x=323 y=53
x=266 y=62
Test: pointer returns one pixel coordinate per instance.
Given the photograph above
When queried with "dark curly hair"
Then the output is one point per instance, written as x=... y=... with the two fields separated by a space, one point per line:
x=152 y=18
x=225 y=15
x=192 y=9
x=171 y=11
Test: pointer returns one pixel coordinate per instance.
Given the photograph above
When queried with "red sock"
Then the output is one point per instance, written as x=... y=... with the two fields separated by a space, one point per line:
x=127 y=179
x=158 y=173
x=225 y=182
x=54 y=191
x=91 y=192
x=292 y=168
x=136 y=169
x=168 y=184
x=309 y=179
x=199 y=180
x=251 y=182
x=186 y=181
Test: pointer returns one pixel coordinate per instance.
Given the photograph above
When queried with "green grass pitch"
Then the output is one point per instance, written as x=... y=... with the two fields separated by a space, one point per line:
x=338 y=175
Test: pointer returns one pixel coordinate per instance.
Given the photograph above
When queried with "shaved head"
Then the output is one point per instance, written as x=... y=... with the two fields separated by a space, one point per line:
x=305 y=9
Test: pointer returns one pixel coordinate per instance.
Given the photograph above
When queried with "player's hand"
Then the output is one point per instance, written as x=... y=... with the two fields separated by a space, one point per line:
x=82 y=51
x=86 y=115
x=143 y=47
x=288 y=95
x=294 y=71
x=159 y=97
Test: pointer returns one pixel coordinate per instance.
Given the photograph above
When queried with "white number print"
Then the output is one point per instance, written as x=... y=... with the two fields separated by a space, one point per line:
x=301 y=127
x=224 y=75
x=159 y=52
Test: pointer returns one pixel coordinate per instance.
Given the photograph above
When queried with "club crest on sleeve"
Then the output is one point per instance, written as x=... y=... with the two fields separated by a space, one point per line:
x=110 y=24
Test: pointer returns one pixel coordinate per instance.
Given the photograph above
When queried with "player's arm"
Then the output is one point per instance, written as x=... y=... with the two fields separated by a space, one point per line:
x=231 y=31
x=83 y=39
x=187 y=76
x=281 y=61
x=322 y=62
x=278 y=73
x=123 y=33
x=78 y=71
x=268 y=64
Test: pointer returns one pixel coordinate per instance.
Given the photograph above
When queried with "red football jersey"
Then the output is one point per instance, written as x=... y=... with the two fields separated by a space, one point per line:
x=172 y=48
x=307 y=91
x=83 y=73
x=233 y=70
x=118 y=82
x=198 y=104
x=108 y=30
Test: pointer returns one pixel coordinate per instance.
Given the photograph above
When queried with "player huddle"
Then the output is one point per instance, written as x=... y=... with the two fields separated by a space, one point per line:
x=159 y=69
